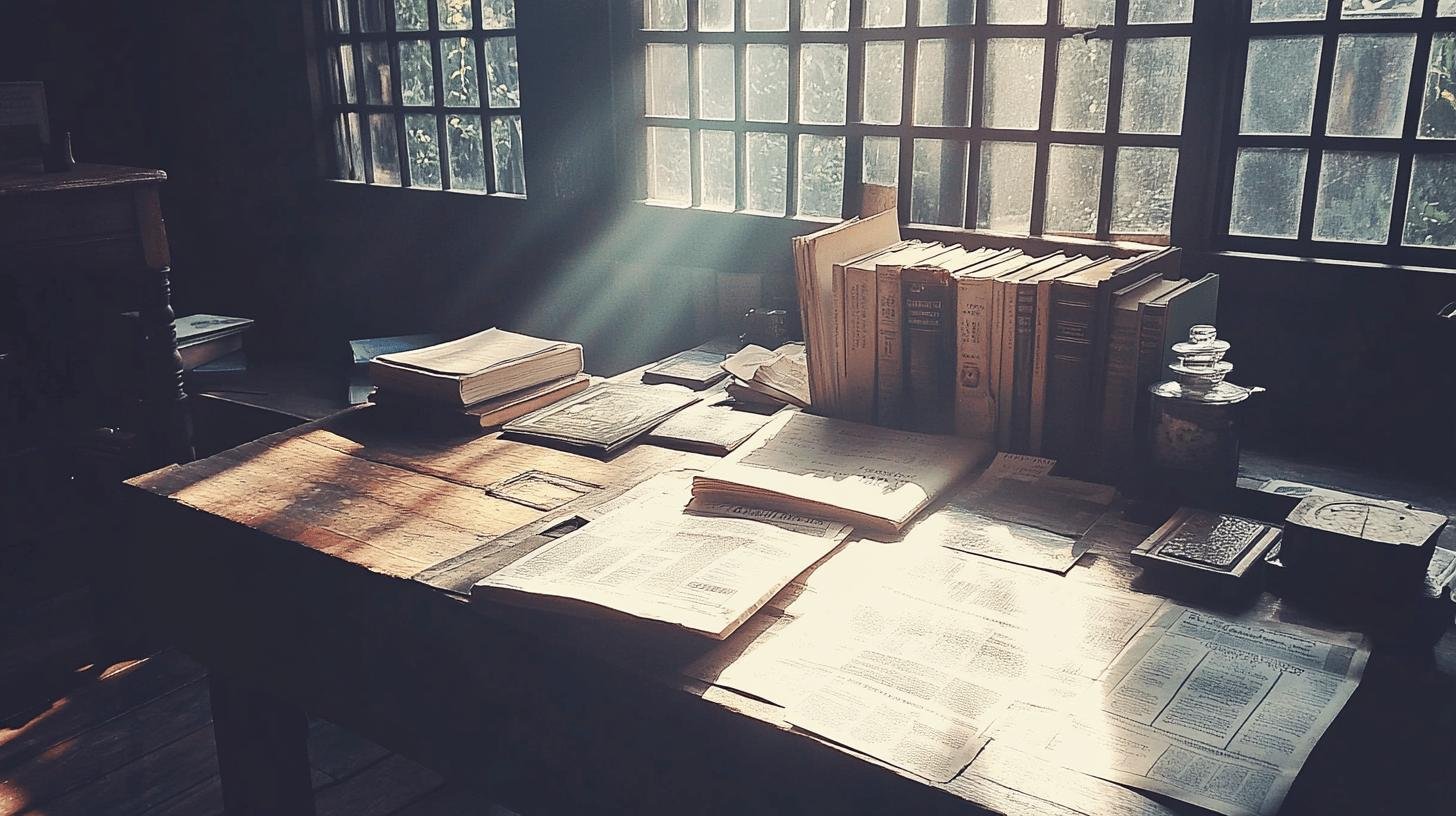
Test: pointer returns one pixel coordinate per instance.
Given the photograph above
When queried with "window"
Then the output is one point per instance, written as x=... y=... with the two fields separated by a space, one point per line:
x=1345 y=139
x=997 y=114
x=425 y=93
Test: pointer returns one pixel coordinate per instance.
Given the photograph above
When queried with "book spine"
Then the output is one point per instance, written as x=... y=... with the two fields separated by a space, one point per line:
x=835 y=407
x=1119 y=396
x=973 y=413
x=1069 y=370
x=889 y=381
x=1003 y=387
x=861 y=321
x=1025 y=297
x=928 y=329
x=1039 y=366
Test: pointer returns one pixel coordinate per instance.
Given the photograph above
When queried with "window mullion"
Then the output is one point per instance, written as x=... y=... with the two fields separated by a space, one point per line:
x=853 y=191
x=1410 y=132
x=906 y=175
x=791 y=176
x=1050 y=54
x=1210 y=125
x=695 y=148
x=1114 y=115
x=437 y=53
x=1315 y=162
x=975 y=117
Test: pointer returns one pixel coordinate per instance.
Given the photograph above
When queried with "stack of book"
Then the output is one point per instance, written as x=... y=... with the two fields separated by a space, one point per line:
x=480 y=381
x=204 y=338
x=362 y=351
x=1044 y=354
x=769 y=378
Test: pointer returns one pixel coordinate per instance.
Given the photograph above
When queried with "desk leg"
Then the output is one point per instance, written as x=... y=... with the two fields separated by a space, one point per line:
x=262 y=752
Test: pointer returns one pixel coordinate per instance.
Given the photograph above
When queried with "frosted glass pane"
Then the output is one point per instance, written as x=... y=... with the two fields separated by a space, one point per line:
x=455 y=15
x=715 y=15
x=1160 y=11
x=665 y=15
x=667 y=79
x=1430 y=218
x=384 y=149
x=1381 y=8
x=821 y=175
x=510 y=161
x=824 y=15
x=1016 y=12
x=715 y=82
x=884 y=13
x=1355 y=191
x=1003 y=203
x=462 y=84
x=1447 y=8
x=338 y=15
x=1074 y=185
x=947 y=12
x=342 y=63
x=1087 y=12
x=1438 y=108
x=942 y=72
x=1279 y=85
x=823 y=75
x=378 y=77
x=1155 y=75
x=1013 y=83
x=417 y=73
x=1142 y=190
x=767 y=74
x=669 y=162
x=373 y=15
x=882 y=160
x=1268 y=192
x=349 y=147
x=502 y=72
x=938 y=184
x=767 y=172
x=884 y=72
x=1270 y=10
x=718 y=169
x=467 y=152
x=411 y=15
x=1083 y=69
x=766 y=15
x=1372 y=77
x=423 y=144
x=497 y=14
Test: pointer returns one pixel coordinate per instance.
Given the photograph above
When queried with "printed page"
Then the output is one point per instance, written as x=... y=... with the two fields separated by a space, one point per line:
x=1214 y=712
x=468 y=355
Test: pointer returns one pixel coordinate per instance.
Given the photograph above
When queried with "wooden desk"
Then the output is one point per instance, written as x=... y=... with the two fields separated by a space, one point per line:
x=320 y=569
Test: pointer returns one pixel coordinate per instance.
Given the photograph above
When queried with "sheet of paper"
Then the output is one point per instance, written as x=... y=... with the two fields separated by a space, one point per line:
x=712 y=424
x=654 y=559
x=1018 y=466
x=491 y=348
x=1214 y=712
x=787 y=374
x=968 y=531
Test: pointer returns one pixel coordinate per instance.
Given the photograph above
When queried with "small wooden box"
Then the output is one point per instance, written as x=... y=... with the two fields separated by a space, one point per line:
x=1360 y=544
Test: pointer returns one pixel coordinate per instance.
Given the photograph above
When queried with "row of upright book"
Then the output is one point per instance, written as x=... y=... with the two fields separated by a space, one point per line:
x=1047 y=354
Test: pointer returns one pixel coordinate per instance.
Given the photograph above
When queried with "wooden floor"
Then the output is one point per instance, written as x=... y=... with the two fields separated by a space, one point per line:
x=125 y=736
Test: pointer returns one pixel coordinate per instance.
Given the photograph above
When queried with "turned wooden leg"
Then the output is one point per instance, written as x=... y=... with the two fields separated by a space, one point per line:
x=262 y=752
x=169 y=422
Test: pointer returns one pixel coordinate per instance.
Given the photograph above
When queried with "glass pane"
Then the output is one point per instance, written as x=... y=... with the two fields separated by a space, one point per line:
x=824 y=15
x=467 y=152
x=767 y=76
x=378 y=80
x=510 y=158
x=715 y=82
x=1083 y=68
x=1447 y=8
x=1014 y=12
x=1087 y=12
x=1354 y=197
x=349 y=148
x=884 y=72
x=887 y=13
x=1368 y=92
x=881 y=160
x=342 y=63
x=715 y=15
x=455 y=15
x=1013 y=83
x=1074 y=185
x=1154 y=79
x=1279 y=85
x=462 y=84
x=1142 y=190
x=667 y=79
x=947 y=12
x=1381 y=8
x=767 y=172
x=1003 y=203
x=373 y=15
x=1268 y=192
x=384 y=149
x=1160 y=11
x=823 y=74
x=1430 y=217
x=665 y=15
x=502 y=72
x=416 y=73
x=424 y=150
x=1270 y=10
x=938 y=182
x=821 y=175
x=669 y=161
x=1438 y=108
x=338 y=15
x=942 y=74
x=719 y=168
x=498 y=14
x=766 y=15
x=411 y=15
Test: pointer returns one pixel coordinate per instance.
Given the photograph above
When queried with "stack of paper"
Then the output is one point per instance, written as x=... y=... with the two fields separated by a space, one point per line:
x=604 y=417
x=714 y=426
x=764 y=377
x=472 y=369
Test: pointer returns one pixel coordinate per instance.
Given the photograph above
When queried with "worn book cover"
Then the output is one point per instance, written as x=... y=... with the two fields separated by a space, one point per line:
x=928 y=332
